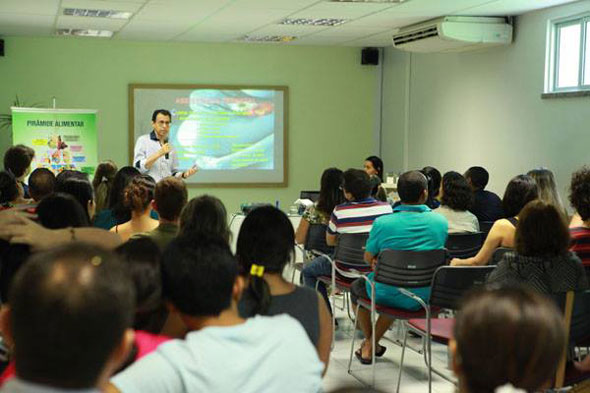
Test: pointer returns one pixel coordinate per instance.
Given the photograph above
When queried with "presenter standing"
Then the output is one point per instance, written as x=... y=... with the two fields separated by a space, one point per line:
x=153 y=154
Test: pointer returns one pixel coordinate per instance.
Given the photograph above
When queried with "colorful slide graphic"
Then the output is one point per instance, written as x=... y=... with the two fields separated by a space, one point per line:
x=62 y=139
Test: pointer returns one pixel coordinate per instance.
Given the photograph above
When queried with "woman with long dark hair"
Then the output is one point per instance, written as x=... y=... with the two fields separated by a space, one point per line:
x=265 y=246
x=456 y=199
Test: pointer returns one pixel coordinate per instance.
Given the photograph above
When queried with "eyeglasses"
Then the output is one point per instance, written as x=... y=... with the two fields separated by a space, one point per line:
x=163 y=123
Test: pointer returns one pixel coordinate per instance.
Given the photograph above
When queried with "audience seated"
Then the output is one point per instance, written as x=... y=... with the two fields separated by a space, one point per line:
x=41 y=184
x=138 y=197
x=78 y=185
x=487 y=206
x=580 y=199
x=222 y=352
x=104 y=176
x=17 y=161
x=117 y=212
x=68 y=320
x=265 y=246
x=434 y=174
x=356 y=215
x=541 y=258
x=205 y=214
x=547 y=189
x=509 y=336
x=520 y=190
x=456 y=199
x=373 y=166
x=320 y=211
x=413 y=226
x=170 y=196
x=11 y=192
x=61 y=210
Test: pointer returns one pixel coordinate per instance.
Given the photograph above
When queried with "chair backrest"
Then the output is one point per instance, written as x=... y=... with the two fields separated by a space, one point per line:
x=313 y=195
x=463 y=245
x=484 y=227
x=316 y=239
x=450 y=283
x=350 y=251
x=498 y=254
x=408 y=269
x=580 y=317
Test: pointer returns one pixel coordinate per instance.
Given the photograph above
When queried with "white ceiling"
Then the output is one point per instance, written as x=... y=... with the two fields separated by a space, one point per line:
x=228 y=20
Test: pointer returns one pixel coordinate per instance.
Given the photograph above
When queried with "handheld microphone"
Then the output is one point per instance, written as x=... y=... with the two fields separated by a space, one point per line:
x=167 y=154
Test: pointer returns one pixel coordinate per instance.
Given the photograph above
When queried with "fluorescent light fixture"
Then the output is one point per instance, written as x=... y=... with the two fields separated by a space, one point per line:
x=367 y=1
x=268 y=38
x=313 y=22
x=85 y=33
x=111 y=14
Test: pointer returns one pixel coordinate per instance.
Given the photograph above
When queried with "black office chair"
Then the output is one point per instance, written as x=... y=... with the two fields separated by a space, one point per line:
x=449 y=284
x=402 y=269
x=313 y=195
x=463 y=245
x=484 y=228
x=315 y=243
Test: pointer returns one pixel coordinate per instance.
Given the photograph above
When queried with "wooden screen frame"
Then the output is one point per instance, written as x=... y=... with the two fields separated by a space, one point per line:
x=284 y=89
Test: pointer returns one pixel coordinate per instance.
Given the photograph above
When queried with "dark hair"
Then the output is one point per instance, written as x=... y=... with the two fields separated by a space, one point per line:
x=205 y=214
x=141 y=263
x=139 y=193
x=117 y=194
x=8 y=187
x=41 y=183
x=508 y=335
x=520 y=190
x=80 y=188
x=67 y=174
x=12 y=257
x=170 y=196
x=411 y=185
x=357 y=183
x=266 y=239
x=431 y=202
x=434 y=174
x=456 y=192
x=377 y=164
x=541 y=231
x=61 y=210
x=580 y=192
x=66 y=325
x=103 y=182
x=330 y=193
x=161 y=112
x=479 y=177
x=17 y=159
x=198 y=275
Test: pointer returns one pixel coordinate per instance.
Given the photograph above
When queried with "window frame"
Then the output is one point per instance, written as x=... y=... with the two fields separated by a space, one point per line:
x=583 y=21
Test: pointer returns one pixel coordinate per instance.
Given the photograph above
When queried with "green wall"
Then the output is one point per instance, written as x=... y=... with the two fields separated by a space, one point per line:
x=331 y=96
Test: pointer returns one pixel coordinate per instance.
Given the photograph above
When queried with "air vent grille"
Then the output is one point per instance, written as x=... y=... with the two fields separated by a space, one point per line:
x=415 y=36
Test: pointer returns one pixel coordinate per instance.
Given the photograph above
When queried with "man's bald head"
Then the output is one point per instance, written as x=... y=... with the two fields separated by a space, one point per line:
x=411 y=186
x=70 y=308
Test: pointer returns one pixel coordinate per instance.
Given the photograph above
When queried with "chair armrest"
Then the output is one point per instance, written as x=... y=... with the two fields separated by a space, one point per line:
x=413 y=296
x=348 y=274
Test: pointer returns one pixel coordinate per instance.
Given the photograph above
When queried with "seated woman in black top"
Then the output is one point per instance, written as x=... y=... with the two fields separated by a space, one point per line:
x=541 y=258
x=265 y=245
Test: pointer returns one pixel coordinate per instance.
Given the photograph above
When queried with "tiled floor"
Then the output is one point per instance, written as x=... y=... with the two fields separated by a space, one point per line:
x=414 y=377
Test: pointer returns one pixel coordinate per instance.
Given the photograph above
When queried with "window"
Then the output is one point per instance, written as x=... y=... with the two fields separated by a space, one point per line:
x=568 y=69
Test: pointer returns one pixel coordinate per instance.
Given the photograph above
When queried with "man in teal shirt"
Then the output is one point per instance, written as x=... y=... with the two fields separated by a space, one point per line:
x=412 y=226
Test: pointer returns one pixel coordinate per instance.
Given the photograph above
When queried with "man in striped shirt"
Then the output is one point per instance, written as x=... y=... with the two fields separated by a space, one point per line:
x=354 y=216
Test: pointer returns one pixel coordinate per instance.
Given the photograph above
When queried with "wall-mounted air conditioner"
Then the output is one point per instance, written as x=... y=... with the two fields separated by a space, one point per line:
x=453 y=34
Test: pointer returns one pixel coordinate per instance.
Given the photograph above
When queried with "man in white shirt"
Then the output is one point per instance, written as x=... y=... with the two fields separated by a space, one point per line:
x=222 y=351
x=153 y=153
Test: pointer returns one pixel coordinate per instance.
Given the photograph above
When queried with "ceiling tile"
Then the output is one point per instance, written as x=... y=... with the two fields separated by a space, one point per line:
x=151 y=30
x=386 y=21
x=341 y=10
x=277 y=4
x=82 y=22
x=23 y=24
x=45 y=7
x=101 y=5
x=195 y=12
x=293 y=30
x=510 y=7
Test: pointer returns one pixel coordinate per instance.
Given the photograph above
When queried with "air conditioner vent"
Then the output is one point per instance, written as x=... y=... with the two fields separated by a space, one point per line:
x=417 y=35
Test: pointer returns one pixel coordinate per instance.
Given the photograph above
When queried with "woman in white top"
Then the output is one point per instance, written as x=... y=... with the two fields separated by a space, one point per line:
x=456 y=198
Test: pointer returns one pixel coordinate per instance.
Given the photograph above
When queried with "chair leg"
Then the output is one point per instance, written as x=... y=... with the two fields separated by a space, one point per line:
x=401 y=365
x=352 y=318
x=353 y=339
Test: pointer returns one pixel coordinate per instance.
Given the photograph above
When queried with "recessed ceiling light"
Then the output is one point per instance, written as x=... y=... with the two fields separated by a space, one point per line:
x=268 y=38
x=312 y=22
x=85 y=33
x=112 y=14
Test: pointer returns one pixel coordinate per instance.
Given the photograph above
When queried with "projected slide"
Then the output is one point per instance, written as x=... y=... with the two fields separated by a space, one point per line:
x=234 y=135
